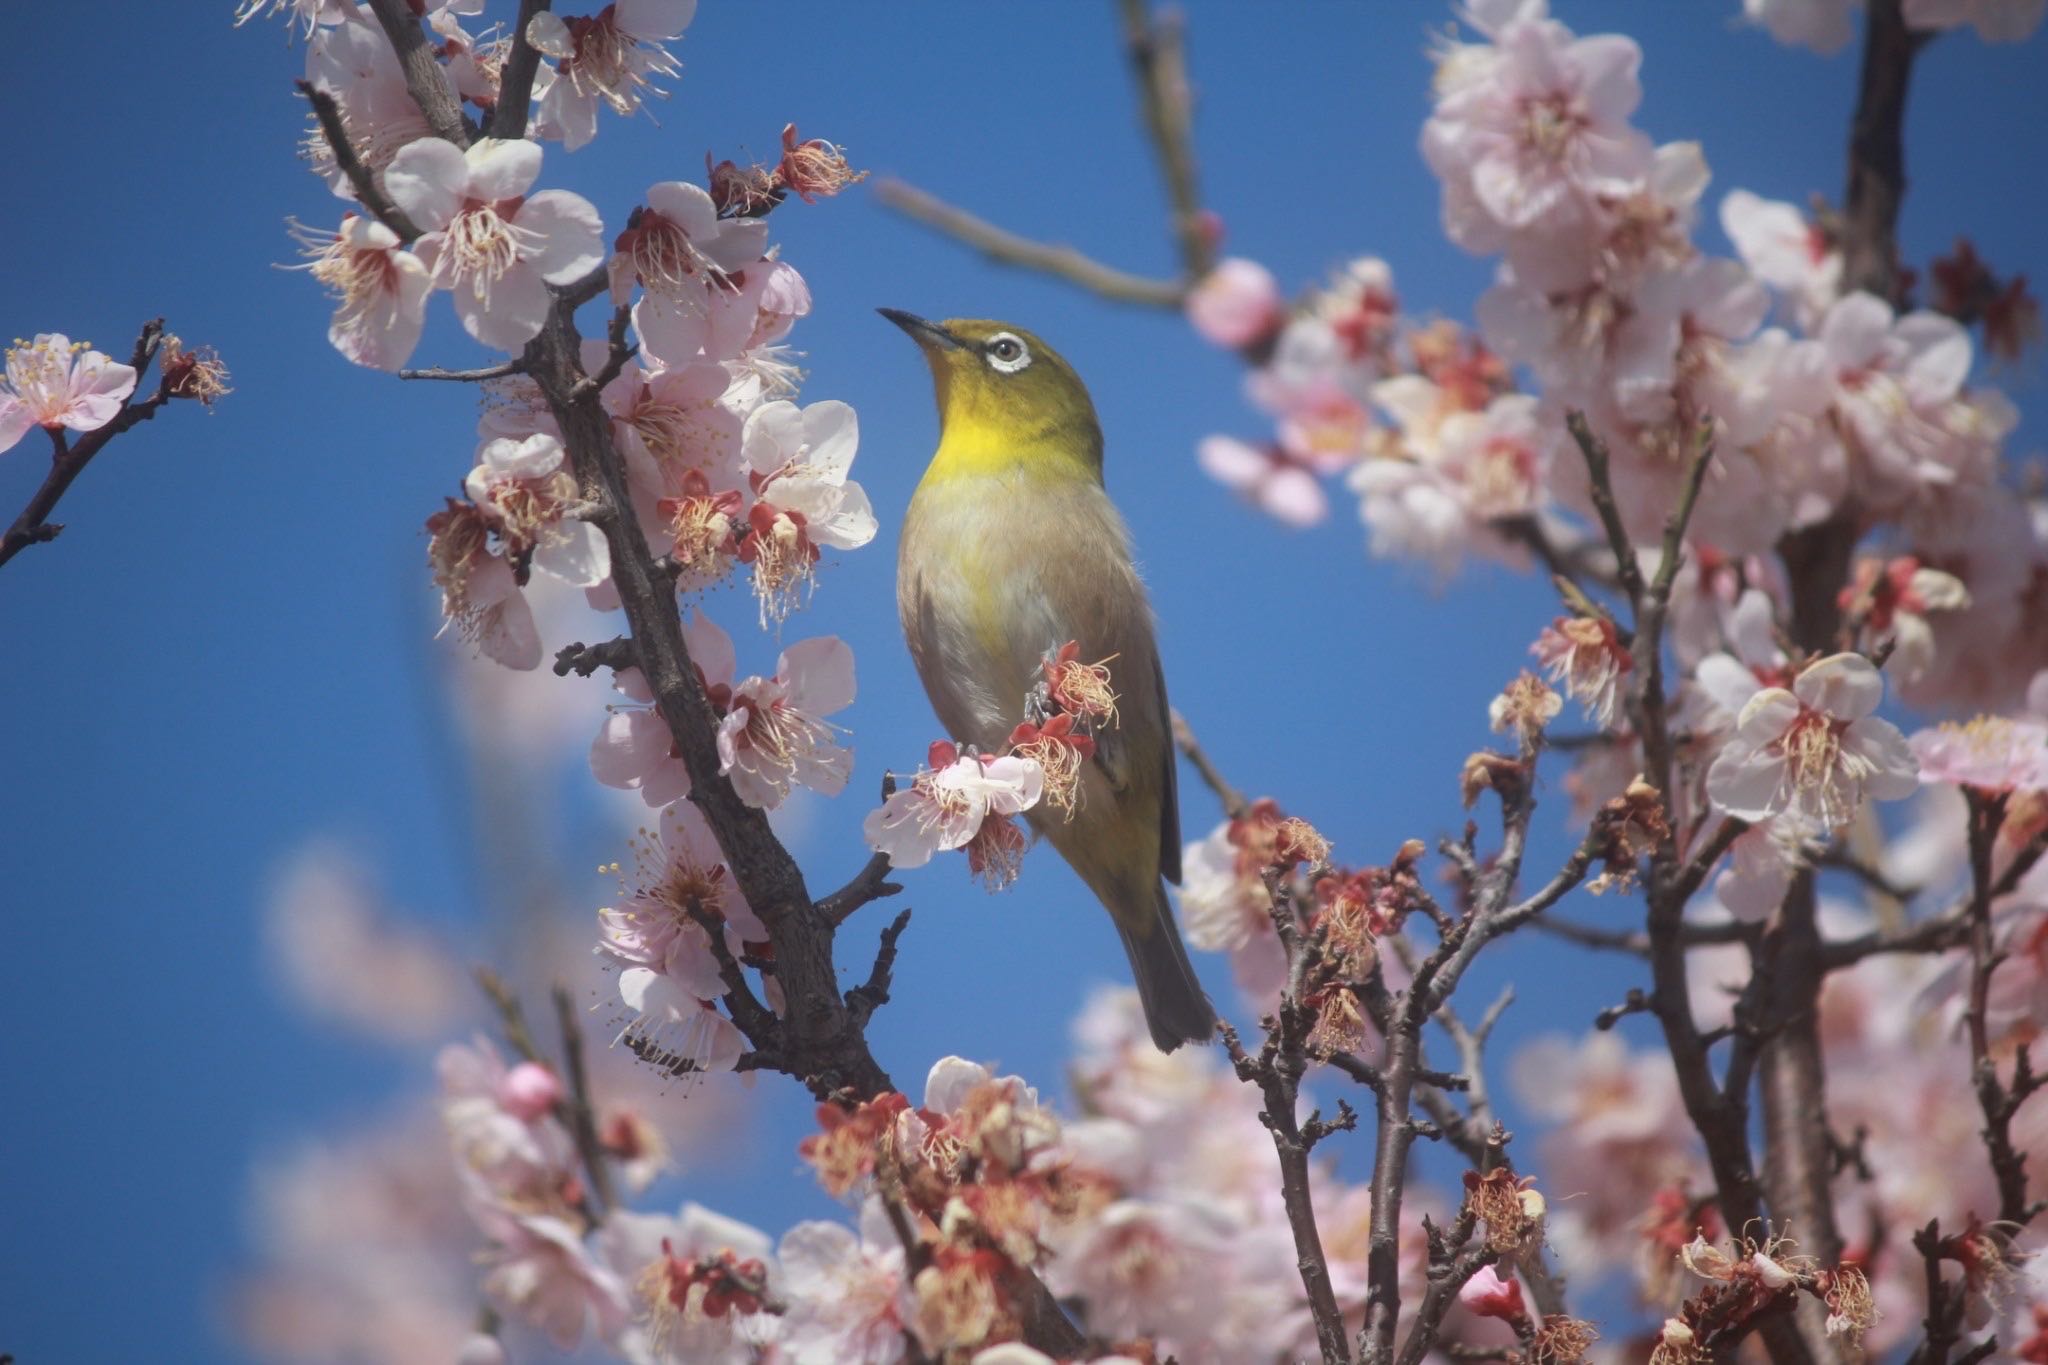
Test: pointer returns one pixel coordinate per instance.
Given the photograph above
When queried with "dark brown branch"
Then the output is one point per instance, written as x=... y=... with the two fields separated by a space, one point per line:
x=1008 y=248
x=1877 y=153
x=1234 y=804
x=360 y=178
x=863 y=1000
x=515 y=79
x=581 y=1111
x=68 y=460
x=1999 y=1101
x=584 y=660
x=1157 y=46
x=1277 y=1071
x=425 y=79
x=871 y=883
x=617 y=353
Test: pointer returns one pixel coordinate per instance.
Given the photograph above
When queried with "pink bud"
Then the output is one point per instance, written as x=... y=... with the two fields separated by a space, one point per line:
x=1236 y=304
x=528 y=1091
x=1489 y=1296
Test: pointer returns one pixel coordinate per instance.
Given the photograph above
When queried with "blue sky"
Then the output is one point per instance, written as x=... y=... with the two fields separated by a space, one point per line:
x=227 y=652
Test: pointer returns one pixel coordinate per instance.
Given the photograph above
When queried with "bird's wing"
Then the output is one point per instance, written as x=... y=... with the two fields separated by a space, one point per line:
x=1169 y=807
x=1115 y=754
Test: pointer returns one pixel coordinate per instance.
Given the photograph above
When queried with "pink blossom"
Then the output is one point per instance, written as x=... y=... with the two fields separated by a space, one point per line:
x=480 y=596
x=492 y=244
x=943 y=807
x=1526 y=133
x=529 y=1091
x=702 y=1283
x=527 y=494
x=1488 y=1295
x=347 y=958
x=1225 y=908
x=634 y=749
x=775 y=737
x=1267 y=478
x=798 y=458
x=1235 y=304
x=1989 y=753
x=543 y=1275
x=612 y=58
x=55 y=383
x=1785 y=250
x=679 y=872
x=1147 y=1266
x=667 y=1014
x=381 y=290
x=1896 y=382
x=513 y=1153
x=1816 y=750
x=847 y=1296
x=1466 y=471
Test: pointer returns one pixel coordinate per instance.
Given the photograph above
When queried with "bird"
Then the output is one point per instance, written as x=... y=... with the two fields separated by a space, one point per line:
x=1011 y=549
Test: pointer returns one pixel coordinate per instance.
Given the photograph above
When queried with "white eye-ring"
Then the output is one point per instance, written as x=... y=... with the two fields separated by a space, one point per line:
x=1007 y=353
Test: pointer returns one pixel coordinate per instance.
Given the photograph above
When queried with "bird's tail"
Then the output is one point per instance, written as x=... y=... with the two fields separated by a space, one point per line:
x=1175 y=1008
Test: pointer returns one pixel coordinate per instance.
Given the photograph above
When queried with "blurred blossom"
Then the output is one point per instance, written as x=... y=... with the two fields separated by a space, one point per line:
x=347 y=960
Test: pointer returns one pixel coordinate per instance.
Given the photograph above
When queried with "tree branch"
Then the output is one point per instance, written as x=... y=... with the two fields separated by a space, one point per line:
x=515 y=79
x=361 y=179
x=68 y=461
x=425 y=78
x=1008 y=248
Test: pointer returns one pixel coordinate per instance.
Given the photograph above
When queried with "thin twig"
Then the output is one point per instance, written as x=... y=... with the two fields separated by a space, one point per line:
x=582 y=1111
x=360 y=178
x=33 y=526
x=1234 y=804
x=1008 y=248
x=498 y=371
x=1157 y=46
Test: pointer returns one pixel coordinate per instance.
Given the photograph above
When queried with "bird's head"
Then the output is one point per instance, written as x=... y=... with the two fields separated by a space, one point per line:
x=1006 y=399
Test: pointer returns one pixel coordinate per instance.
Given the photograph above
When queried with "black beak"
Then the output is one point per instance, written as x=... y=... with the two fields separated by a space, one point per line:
x=922 y=332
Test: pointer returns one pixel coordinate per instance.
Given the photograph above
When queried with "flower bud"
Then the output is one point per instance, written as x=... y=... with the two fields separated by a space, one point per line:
x=528 y=1091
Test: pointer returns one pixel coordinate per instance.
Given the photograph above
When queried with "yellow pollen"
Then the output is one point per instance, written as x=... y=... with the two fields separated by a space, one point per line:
x=478 y=248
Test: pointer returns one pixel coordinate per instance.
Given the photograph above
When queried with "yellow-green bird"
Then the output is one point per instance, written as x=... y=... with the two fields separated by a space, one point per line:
x=1010 y=550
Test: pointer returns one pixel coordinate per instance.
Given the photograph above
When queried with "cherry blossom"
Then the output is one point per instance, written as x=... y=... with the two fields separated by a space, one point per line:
x=614 y=57
x=679 y=873
x=512 y=1149
x=847 y=1293
x=634 y=749
x=381 y=290
x=774 y=736
x=1988 y=754
x=541 y=1273
x=702 y=1284
x=798 y=459
x=1524 y=132
x=683 y=1028
x=1897 y=381
x=529 y=499
x=1236 y=304
x=488 y=241
x=480 y=596
x=1816 y=750
x=1785 y=250
x=1268 y=478
x=59 y=384
x=945 y=805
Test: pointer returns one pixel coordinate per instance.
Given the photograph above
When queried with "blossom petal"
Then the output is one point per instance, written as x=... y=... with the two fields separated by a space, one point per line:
x=502 y=168
x=819 y=674
x=429 y=180
x=1845 y=686
x=573 y=232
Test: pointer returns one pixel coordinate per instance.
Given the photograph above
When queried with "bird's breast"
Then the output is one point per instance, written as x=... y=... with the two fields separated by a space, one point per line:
x=994 y=571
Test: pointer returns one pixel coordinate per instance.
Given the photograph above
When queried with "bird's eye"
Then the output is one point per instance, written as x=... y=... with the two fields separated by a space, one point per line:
x=1007 y=353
